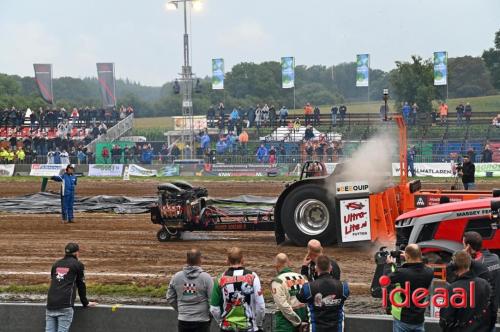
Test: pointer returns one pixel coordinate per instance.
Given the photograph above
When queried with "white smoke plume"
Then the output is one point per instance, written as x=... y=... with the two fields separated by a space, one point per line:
x=371 y=162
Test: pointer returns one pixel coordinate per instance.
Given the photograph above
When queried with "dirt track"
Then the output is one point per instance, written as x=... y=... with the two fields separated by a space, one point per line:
x=124 y=249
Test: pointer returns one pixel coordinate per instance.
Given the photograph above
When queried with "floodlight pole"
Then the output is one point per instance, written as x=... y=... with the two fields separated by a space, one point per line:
x=187 y=80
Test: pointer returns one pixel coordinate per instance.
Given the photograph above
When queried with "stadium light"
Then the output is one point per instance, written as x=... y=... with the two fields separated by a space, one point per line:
x=197 y=5
x=171 y=5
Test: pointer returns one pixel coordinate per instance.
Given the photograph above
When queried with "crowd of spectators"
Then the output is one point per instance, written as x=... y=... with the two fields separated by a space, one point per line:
x=44 y=135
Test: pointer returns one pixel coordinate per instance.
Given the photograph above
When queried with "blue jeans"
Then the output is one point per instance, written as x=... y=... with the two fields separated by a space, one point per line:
x=469 y=186
x=399 y=326
x=334 y=119
x=58 y=320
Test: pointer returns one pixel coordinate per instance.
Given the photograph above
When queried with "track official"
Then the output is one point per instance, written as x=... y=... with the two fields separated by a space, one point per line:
x=68 y=184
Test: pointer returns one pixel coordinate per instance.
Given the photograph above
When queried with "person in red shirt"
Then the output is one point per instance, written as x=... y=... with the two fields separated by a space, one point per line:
x=308 y=112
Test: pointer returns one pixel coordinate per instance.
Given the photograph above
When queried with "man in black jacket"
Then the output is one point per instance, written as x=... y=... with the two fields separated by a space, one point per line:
x=487 y=267
x=467 y=171
x=66 y=275
x=314 y=250
x=468 y=318
x=325 y=298
x=417 y=275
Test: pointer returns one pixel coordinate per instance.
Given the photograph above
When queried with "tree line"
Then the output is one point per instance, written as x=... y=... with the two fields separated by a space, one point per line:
x=248 y=84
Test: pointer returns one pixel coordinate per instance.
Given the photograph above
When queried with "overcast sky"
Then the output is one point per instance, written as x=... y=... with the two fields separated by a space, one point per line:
x=145 y=41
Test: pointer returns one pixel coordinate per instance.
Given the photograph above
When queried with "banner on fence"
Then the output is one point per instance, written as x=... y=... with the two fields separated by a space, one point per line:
x=43 y=78
x=241 y=170
x=105 y=170
x=427 y=169
x=445 y=169
x=287 y=72
x=440 y=68
x=487 y=169
x=46 y=169
x=362 y=70
x=136 y=170
x=7 y=170
x=330 y=167
x=217 y=74
x=170 y=170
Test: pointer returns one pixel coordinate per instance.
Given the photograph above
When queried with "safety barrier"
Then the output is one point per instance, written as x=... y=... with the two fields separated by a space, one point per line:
x=27 y=317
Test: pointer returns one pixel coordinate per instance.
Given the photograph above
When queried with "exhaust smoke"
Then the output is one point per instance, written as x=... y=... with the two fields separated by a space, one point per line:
x=371 y=162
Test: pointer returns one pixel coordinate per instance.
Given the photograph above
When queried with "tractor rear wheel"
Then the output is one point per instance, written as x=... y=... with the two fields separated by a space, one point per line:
x=308 y=214
x=163 y=235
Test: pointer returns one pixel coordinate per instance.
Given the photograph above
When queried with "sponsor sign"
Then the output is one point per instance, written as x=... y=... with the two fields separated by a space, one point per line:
x=105 y=170
x=360 y=187
x=46 y=169
x=183 y=123
x=287 y=72
x=446 y=169
x=43 y=78
x=136 y=170
x=440 y=68
x=241 y=170
x=106 y=78
x=427 y=169
x=430 y=200
x=170 y=170
x=355 y=219
x=7 y=170
x=362 y=69
x=217 y=74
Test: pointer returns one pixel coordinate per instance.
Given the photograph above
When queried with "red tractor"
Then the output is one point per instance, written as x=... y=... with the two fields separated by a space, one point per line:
x=439 y=229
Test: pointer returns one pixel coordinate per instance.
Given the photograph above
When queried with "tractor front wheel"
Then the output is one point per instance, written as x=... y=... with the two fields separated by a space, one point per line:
x=163 y=235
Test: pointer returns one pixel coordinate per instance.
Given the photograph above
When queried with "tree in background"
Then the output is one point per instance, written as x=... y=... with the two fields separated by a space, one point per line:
x=414 y=82
x=469 y=77
x=492 y=59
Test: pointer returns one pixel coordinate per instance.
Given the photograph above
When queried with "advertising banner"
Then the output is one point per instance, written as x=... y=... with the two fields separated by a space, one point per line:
x=487 y=169
x=43 y=78
x=287 y=72
x=355 y=219
x=445 y=169
x=362 y=70
x=170 y=170
x=440 y=170
x=47 y=169
x=136 y=170
x=105 y=170
x=241 y=170
x=7 y=170
x=440 y=68
x=107 y=87
x=217 y=74
x=182 y=122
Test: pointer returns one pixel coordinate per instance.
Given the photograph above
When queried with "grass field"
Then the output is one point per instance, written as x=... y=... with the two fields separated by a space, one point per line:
x=481 y=104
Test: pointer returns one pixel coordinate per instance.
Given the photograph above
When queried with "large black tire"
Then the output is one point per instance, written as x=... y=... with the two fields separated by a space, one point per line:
x=311 y=201
x=163 y=235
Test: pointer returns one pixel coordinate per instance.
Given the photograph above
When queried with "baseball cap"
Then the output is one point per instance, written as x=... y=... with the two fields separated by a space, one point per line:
x=71 y=248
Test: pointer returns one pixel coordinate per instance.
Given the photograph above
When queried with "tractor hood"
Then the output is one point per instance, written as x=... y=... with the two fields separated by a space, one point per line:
x=474 y=204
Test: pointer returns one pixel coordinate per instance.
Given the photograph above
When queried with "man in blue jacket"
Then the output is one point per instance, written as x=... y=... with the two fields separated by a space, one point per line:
x=68 y=184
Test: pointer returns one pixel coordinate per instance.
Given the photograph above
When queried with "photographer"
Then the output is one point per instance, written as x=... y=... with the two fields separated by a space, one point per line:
x=417 y=275
x=466 y=171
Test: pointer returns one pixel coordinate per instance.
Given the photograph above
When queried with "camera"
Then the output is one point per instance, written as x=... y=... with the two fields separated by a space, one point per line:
x=383 y=253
